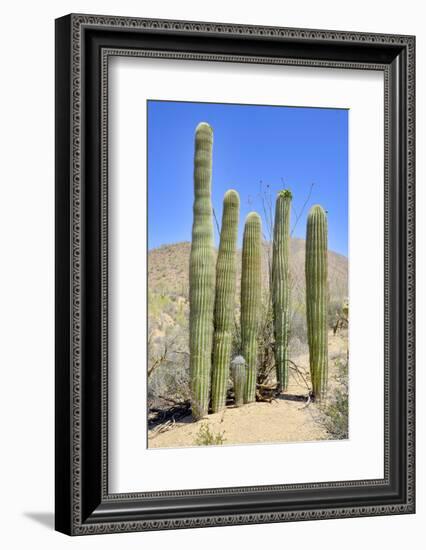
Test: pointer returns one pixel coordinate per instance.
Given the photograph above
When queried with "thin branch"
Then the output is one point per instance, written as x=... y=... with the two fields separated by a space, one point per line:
x=294 y=210
x=155 y=365
x=159 y=360
x=303 y=208
x=307 y=402
x=296 y=368
x=217 y=223
x=182 y=403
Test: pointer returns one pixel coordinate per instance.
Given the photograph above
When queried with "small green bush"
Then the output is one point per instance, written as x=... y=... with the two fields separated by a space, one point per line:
x=206 y=436
x=336 y=416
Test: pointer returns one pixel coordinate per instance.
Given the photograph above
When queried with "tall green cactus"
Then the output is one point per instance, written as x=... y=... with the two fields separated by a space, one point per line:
x=281 y=285
x=226 y=270
x=201 y=274
x=251 y=292
x=317 y=299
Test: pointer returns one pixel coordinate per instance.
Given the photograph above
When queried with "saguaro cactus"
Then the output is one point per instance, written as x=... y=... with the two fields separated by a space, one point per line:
x=281 y=285
x=317 y=299
x=225 y=299
x=201 y=274
x=238 y=371
x=251 y=291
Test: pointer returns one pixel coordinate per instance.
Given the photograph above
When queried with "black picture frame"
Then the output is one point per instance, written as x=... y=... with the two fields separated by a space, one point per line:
x=83 y=45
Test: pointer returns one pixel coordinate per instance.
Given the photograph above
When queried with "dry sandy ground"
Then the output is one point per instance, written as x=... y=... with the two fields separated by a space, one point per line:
x=284 y=419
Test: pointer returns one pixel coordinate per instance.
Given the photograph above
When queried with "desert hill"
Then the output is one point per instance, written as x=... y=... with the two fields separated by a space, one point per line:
x=168 y=268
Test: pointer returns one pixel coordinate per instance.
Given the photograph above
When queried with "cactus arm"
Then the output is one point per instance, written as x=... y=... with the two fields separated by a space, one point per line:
x=201 y=274
x=225 y=299
x=316 y=271
x=251 y=288
x=281 y=285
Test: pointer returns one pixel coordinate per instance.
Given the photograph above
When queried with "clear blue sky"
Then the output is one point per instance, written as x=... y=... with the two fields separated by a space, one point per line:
x=254 y=146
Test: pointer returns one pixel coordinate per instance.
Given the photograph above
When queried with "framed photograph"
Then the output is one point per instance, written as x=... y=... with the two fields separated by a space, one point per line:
x=234 y=274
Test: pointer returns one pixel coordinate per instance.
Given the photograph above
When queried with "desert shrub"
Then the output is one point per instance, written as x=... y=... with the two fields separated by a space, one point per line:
x=182 y=313
x=206 y=436
x=266 y=340
x=297 y=341
x=337 y=415
x=157 y=303
x=336 y=409
x=168 y=364
x=266 y=362
x=170 y=382
x=334 y=308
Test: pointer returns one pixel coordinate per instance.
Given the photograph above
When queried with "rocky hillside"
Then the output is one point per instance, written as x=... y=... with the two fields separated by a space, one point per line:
x=168 y=270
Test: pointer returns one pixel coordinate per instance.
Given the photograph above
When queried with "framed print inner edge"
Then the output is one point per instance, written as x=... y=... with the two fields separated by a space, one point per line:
x=112 y=514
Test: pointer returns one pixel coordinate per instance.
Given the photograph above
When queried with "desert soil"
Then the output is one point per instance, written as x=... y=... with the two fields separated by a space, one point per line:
x=287 y=418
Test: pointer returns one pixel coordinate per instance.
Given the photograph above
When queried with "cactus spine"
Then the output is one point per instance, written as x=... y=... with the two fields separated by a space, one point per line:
x=225 y=299
x=251 y=288
x=317 y=299
x=201 y=274
x=281 y=285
